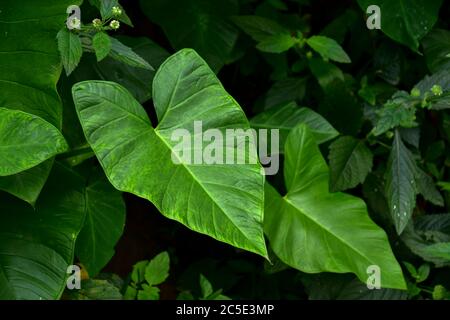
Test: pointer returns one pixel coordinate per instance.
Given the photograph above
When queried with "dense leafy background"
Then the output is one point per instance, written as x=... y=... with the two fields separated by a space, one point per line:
x=86 y=174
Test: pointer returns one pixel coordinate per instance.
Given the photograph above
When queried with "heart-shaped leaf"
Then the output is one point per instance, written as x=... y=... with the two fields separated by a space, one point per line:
x=224 y=201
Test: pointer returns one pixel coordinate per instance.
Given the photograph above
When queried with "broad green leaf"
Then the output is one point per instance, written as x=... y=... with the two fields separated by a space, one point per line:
x=315 y=231
x=148 y=293
x=103 y=225
x=401 y=186
x=406 y=21
x=328 y=49
x=26 y=141
x=350 y=163
x=27 y=185
x=36 y=246
x=157 y=269
x=124 y=54
x=277 y=44
x=259 y=28
x=137 y=80
x=289 y=116
x=30 y=66
x=437 y=49
x=223 y=201
x=102 y=45
x=202 y=25
x=70 y=49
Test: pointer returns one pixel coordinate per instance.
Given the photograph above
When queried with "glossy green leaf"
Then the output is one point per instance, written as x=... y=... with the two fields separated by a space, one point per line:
x=26 y=141
x=350 y=163
x=223 y=201
x=328 y=49
x=157 y=269
x=427 y=188
x=70 y=49
x=202 y=25
x=102 y=45
x=27 y=185
x=36 y=246
x=406 y=21
x=401 y=186
x=289 y=116
x=30 y=66
x=313 y=230
x=103 y=225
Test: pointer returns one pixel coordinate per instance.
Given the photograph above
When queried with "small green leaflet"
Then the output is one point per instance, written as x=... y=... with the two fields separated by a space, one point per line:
x=157 y=269
x=70 y=49
x=102 y=45
x=328 y=49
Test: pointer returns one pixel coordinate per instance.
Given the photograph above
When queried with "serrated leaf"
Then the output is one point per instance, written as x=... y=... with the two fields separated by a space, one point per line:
x=401 y=186
x=102 y=45
x=26 y=141
x=37 y=245
x=103 y=226
x=427 y=188
x=308 y=228
x=350 y=163
x=328 y=49
x=122 y=53
x=106 y=8
x=157 y=269
x=223 y=201
x=148 y=293
x=397 y=112
x=406 y=21
x=70 y=49
x=288 y=117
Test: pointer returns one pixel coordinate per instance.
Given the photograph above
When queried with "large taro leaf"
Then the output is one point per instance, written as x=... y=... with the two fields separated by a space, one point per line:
x=36 y=246
x=104 y=223
x=30 y=67
x=406 y=21
x=314 y=230
x=224 y=201
x=25 y=141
